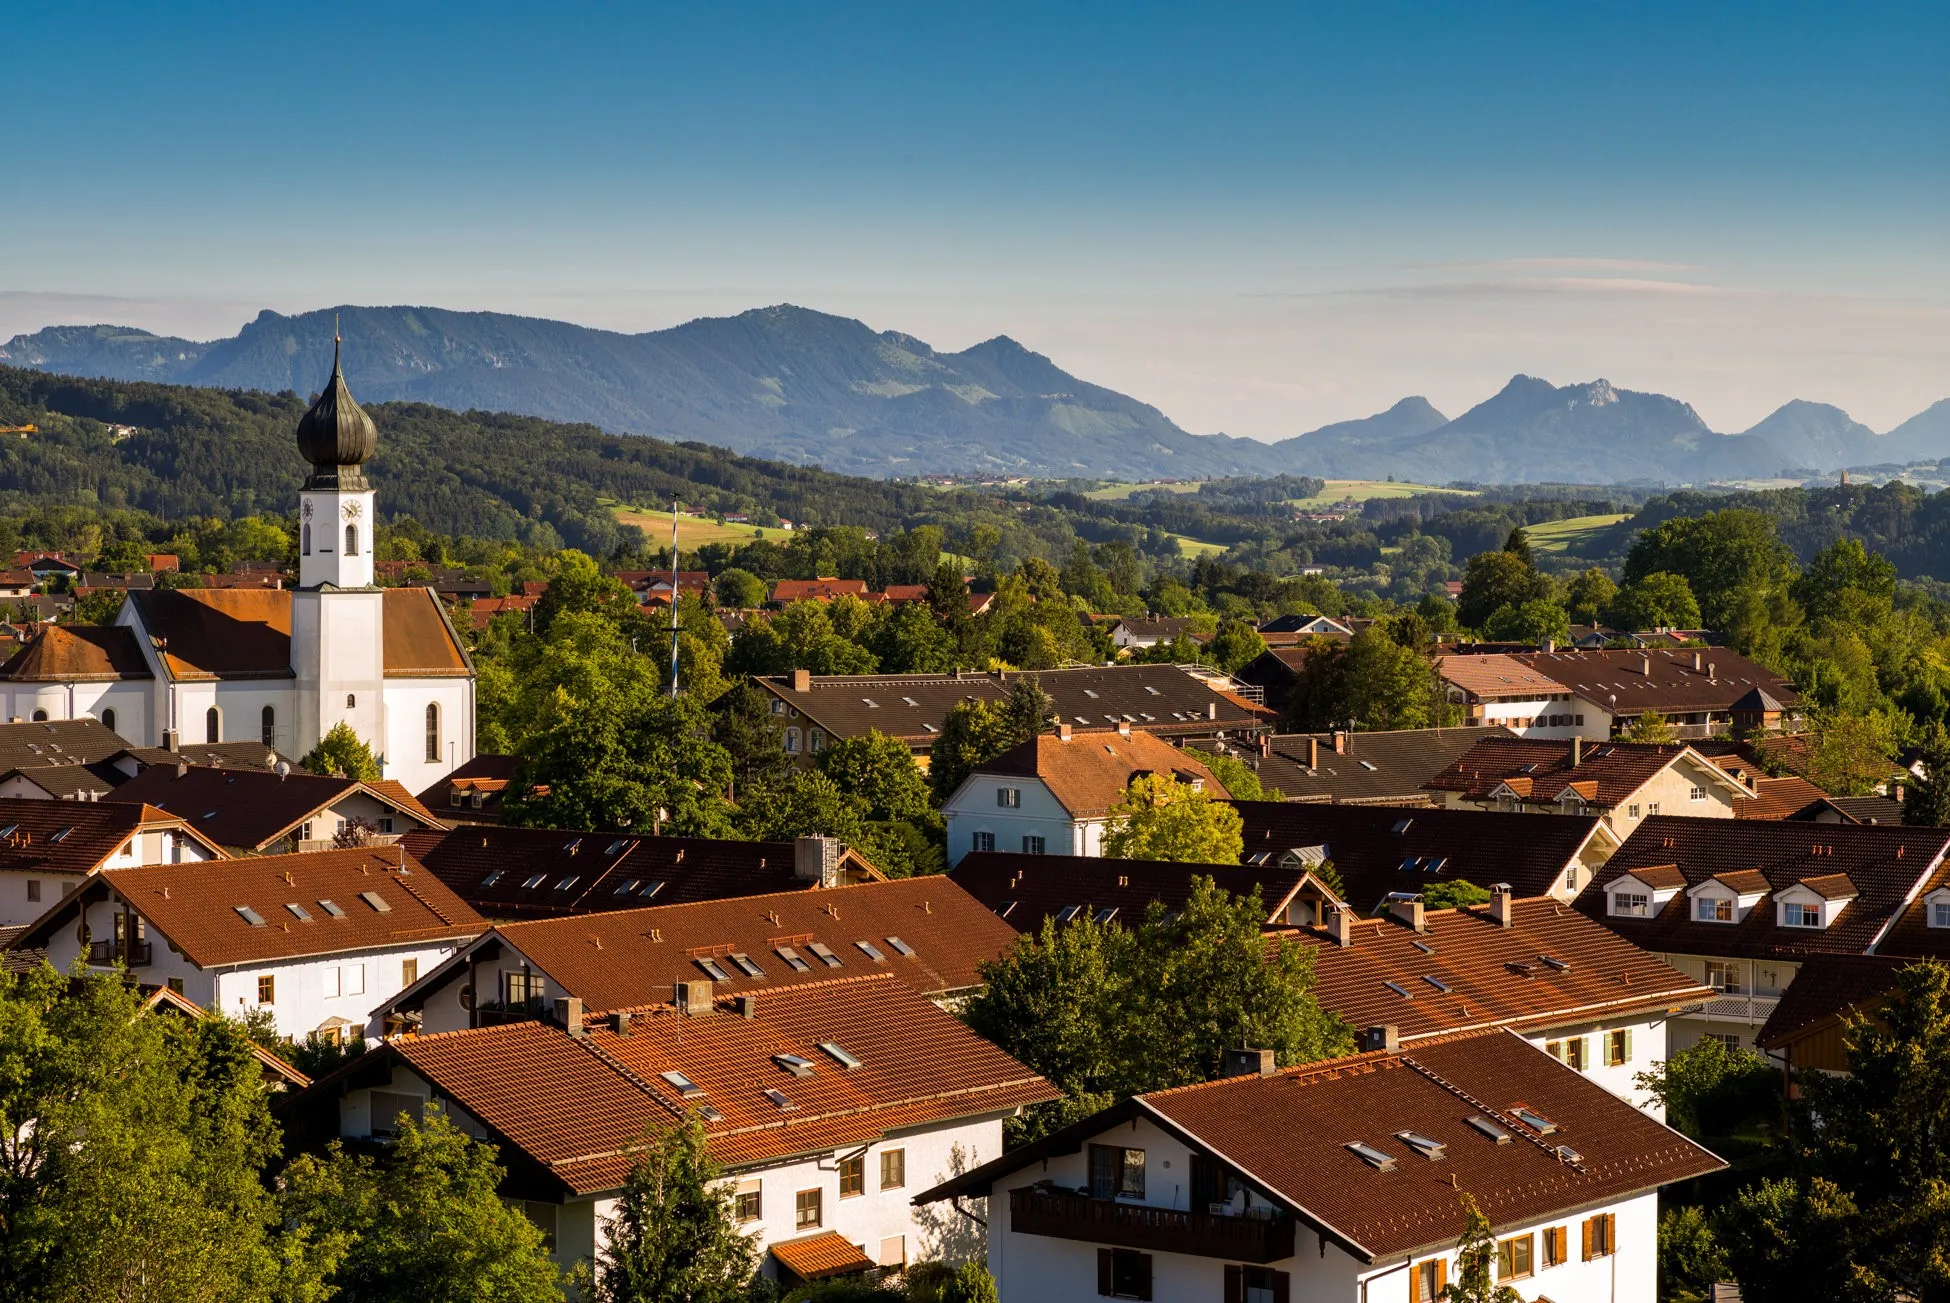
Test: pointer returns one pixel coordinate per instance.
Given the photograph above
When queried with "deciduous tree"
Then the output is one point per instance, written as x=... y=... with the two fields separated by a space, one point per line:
x=341 y=754
x=1162 y=818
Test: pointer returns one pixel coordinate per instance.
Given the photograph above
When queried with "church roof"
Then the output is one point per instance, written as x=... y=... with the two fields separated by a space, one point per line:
x=335 y=434
x=77 y=653
x=246 y=633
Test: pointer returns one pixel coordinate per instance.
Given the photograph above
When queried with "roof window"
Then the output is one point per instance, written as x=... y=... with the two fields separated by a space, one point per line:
x=709 y=1114
x=1438 y=984
x=1427 y=1147
x=568 y=882
x=1090 y=693
x=573 y=846
x=299 y=912
x=650 y=889
x=534 y=881
x=793 y=1064
x=1153 y=691
x=713 y=971
x=616 y=846
x=61 y=836
x=871 y=703
x=840 y=1056
x=249 y=915
x=628 y=886
x=901 y=947
x=1423 y=946
x=1555 y=965
x=1400 y=990
x=1536 y=1121
x=1489 y=1129
x=13 y=828
x=494 y=876
x=332 y=907
x=1068 y=912
x=1400 y=826
x=1006 y=908
x=793 y=959
x=1105 y=915
x=685 y=1086
x=1370 y=766
x=1569 y=1155
x=823 y=953
x=871 y=951
x=910 y=701
x=377 y=901
x=746 y=964
x=779 y=1101
x=1375 y=1158
x=930 y=728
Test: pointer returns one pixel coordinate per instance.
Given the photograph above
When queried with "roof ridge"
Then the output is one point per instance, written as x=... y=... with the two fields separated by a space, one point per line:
x=664 y=910
x=1325 y=1067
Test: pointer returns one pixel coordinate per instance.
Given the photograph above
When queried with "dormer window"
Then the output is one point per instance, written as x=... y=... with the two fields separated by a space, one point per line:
x=1936 y=908
x=1795 y=914
x=1631 y=904
x=1713 y=909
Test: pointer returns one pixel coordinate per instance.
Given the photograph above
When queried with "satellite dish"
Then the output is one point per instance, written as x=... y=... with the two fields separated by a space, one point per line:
x=281 y=768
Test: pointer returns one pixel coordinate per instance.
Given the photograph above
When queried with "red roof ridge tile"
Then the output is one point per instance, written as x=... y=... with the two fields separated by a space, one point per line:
x=1365 y=1061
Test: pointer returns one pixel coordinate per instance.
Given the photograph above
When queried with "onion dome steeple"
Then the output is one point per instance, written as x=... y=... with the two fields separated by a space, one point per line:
x=335 y=435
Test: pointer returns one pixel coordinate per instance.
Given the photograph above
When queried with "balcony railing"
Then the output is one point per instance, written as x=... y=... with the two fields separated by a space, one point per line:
x=110 y=952
x=1140 y=1226
x=492 y=1013
x=1729 y=1007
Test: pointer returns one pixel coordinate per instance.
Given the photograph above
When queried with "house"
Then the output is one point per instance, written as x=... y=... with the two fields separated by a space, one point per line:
x=1622 y=782
x=1742 y=905
x=1339 y=1180
x=1700 y=692
x=655 y=587
x=1026 y=890
x=18 y=583
x=251 y=812
x=1389 y=768
x=220 y=664
x=1788 y=797
x=787 y=591
x=46 y=565
x=318 y=941
x=1378 y=851
x=1055 y=791
x=1158 y=699
x=519 y=873
x=1806 y=1031
x=1501 y=690
x=48 y=848
x=1579 y=992
x=928 y=933
x=483 y=610
x=1276 y=672
x=163 y=562
x=1307 y=624
x=473 y=792
x=1134 y=634
x=826 y=1103
x=28 y=744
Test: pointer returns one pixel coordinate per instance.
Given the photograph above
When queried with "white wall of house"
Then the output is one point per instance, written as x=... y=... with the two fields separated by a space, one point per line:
x=405 y=741
x=975 y=809
x=26 y=894
x=1609 y=1059
x=1050 y=1269
x=124 y=699
x=1547 y=715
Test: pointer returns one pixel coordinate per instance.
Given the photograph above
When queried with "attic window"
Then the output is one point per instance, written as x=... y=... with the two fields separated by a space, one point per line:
x=615 y=846
x=1537 y=1122
x=684 y=1085
x=910 y=701
x=1400 y=826
x=61 y=836
x=650 y=889
x=1400 y=990
x=1068 y=912
x=332 y=907
x=746 y=964
x=779 y=1101
x=568 y=882
x=574 y=846
x=1489 y=1129
x=378 y=902
x=823 y=953
x=1105 y=915
x=793 y=1064
x=793 y=959
x=1370 y=766
x=901 y=947
x=1428 y=1148
x=627 y=887
x=1375 y=1158
x=1090 y=694
x=1438 y=984
x=534 y=882
x=299 y=912
x=494 y=876
x=249 y=915
x=871 y=951
x=713 y=971
x=840 y=1056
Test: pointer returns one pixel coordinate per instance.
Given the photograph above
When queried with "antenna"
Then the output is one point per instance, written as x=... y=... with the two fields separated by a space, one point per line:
x=673 y=595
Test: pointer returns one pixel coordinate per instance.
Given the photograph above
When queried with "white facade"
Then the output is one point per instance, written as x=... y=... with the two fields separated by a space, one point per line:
x=1051 y=1269
x=26 y=894
x=1554 y=715
x=1611 y=1052
x=1011 y=813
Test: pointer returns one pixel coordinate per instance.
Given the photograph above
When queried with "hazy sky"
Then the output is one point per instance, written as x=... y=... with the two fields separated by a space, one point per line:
x=1260 y=218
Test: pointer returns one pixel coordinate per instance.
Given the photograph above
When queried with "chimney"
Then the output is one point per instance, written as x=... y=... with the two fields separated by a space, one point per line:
x=1340 y=921
x=1710 y=673
x=1386 y=1036
x=568 y=1014
x=1699 y=662
x=182 y=769
x=1550 y=645
x=1577 y=752
x=1211 y=710
x=1340 y=743
x=1645 y=664
x=1407 y=908
x=1064 y=732
x=170 y=742
x=1265 y=746
x=619 y=1023
x=802 y=680
x=747 y=1006
x=693 y=998
x=817 y=859
x=1123 y=728
x=1249 y=1063
x=1503 y=904
x=1313 y=753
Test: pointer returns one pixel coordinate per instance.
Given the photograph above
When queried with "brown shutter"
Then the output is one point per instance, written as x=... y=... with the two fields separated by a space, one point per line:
x=1282 y=1287
x=1586 y=1228
x=1611 y=1232
x=1441 y=1276
x=1103 y=1271
x=1235 y=1284
x=1144 y=1276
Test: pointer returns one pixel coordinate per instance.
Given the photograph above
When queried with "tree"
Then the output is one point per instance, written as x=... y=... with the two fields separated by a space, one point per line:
x=940 y=1282
x=801 y=803
x=341 y=754
x=1161 y=818
x=1387 y=685
x=1691 y=1258
x=1238 y=778
x=1453 y=893
x=673 y=1238
x=972 y=734
x=1842 y=570
x=1926 y=800
x=1537 y=621
x=1589 y=595
x=1518 y=546
x=99 y=607
x=1492 y=580
x=642 y=762
x=741 y=590
x=912 y=641
x=1235 y=645
x=1733 y=560
x=1649 y=726
x=424 y=1221
x=1853 y=755
x=1475 y=1280
x=752 y=736
x=1660 y=600
x=1709 y=1089
x=579 y=586
x=881 y=772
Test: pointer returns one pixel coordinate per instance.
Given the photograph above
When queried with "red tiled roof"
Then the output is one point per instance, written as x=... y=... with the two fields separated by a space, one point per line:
x=1089 y=772
x=1034 y=887
x=245 y=808
x=1619 y=680
x=76 y=836
x=78 y=654
x=1494 y=675
x=1540 y=768
x=213 y=633
x=817 y=590
x=817 y=1256
x=1778 y=798
x=1745 y=882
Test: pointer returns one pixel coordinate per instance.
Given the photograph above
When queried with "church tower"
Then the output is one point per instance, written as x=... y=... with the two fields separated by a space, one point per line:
x=337 y=614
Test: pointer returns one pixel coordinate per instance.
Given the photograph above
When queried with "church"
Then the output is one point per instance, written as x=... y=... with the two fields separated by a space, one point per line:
x=283 y=666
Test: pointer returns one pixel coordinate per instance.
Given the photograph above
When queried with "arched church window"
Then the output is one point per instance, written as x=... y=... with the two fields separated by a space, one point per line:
x=212 y=725
x=108 y=719
x=268 y=726
x=433 y=732
x=307 y=540
x=352 y=540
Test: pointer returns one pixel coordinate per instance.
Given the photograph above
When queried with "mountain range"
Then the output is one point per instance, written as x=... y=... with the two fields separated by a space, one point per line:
x=798 y=385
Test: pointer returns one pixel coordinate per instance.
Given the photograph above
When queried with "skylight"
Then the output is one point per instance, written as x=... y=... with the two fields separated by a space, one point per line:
x=534 y=881
x=901 y=947
x=746 y=964
x=332 y=908
x=616 y=846
x=249 y=915
x=61 y=836
x=568 y=882
x=1489 y=1129
x=1411 y=864
x=650 y=889
x=793 y=1064
x=1370 y=766
x=871 y=951
x=1421 y=1144
x=793 y=959
x=377 y=901
x=1153 y=691
x=1090 y=693
x=840 y=1056
x=779 y=1101
x=299 y=912
x=1537 y=1122
x=871 y=703
x=1557 y=965
x=1106 y=914
x=910 y=701
x=1006 y=908
x=685 y=1086
x=1068 y=912
x=930 y=728
x=1569 y=1154
x=1400 y=990
x=823 y=953
x=709 y=1114
x=1434 y=863
x=1438 y=984
x=1375 y=1158
x=1400 y=826
x=711 y=970
x=494 y=876
x=625 y=888
x=572 y=847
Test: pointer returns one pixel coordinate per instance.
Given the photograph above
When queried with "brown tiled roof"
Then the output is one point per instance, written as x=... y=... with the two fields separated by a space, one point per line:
x=579 y=1107
x=1291 y=1130
x=1778 y=798
x=250 y=808
x=1661 y=877
x=1089 y=772
x=70 y=782
x=395 y=792
x=1745 y=882
x=1869 y=809
x=485 y=773
x=215 y=755
x=1830 y=886
x=1389 y=767
x=78 y=653
x=76 y=836
x=1492 y=676
x=419 y=640
x=246 y=633
x=1618 y=768
x=196 y=905
x=801 y=590
x=1617 y=680
x=58 y=742
x=1373 y=859
x=1885 y=863
x=817 y=1256
x=1490 y=975
x=1825 y=987
x=1157 y=626
x=1026 y=889
x=605 y=871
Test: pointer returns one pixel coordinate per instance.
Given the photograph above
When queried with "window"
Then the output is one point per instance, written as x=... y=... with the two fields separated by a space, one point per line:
x=1696 y=794
x=328 y=983
x=815 y=740
x=749 y=1203
x=1795 y=914
x=1032 y=845
x=1940 y=914
x=853 y=1176
x=522 y=988
x=409 y=971
x=1123 y=1273
x=1652 y=807
x=354 y=976
x=386 y=1107
x=1256 y=1285
x=351 y=701
x=1632 y=811
x=40 y=717
x=1723 y=977
x=176 y=985
x=893 y=1251
x=1009 y=798
x=307 y=544
x=267 y=990
x=1556 y=1244
x=433 y=733
x=108 y=719
x=1713 y=909
x=792 y=741
x=1630 y=904
x=1600 y=1236
x=893 y=1169
x=352 y=540
x=1618 y=1047
x=267 y=726
x=1430 y=1279
x=1570 y=1052
x=33 y=890
x=983 y=841
x=1571 y=878
x=806 y=1214
x=1116 y=1173
x=1513 y=1257
x=212 y=725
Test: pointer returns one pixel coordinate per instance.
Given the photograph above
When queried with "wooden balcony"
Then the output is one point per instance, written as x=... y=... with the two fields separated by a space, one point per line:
x=1159 y=1230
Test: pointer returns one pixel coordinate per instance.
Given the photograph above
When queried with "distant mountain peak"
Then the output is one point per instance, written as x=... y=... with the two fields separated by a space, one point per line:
x=1599 y=393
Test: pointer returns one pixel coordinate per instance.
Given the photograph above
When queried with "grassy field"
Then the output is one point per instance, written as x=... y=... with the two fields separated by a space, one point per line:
x=1192 y=547
x=1565 y=535
x=1363 y=490
x=1118 y=492
x=693 y=531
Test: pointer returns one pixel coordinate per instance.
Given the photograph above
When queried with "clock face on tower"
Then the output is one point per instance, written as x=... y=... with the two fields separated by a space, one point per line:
x=351 y=510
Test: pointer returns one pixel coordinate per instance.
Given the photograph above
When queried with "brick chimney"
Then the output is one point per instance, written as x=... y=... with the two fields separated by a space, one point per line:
x=1340 y=743
x=1503 y=904
x=1123 y=728
x=1577 y=752
x=1385 y=1036
x=802 y=680
x=1064 y=732
x=1249 y=1063
x=1265 y=746
x=1408 y=909
x=693 y=998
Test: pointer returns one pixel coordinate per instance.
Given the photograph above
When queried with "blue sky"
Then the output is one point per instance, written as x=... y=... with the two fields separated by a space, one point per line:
x=1261 y=218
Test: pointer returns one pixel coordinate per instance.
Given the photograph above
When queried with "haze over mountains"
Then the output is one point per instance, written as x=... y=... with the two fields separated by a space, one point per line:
x=805 y=386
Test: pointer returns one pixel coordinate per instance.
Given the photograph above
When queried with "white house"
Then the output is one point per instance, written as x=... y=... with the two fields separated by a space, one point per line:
x=318 y=940
x=1496 y=690
x=1340 y=1180
x=47 y=848
x=281 y=666
x=828 y=1104
x=1053 y=794
x=1623 y=782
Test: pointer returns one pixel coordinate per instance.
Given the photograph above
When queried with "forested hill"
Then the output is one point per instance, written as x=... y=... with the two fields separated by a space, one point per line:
x=208 y=452
x=1902 y=522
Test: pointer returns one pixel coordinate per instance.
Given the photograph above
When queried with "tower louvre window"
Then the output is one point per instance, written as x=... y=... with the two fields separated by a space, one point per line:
x=352 y=540
x=268 y=726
